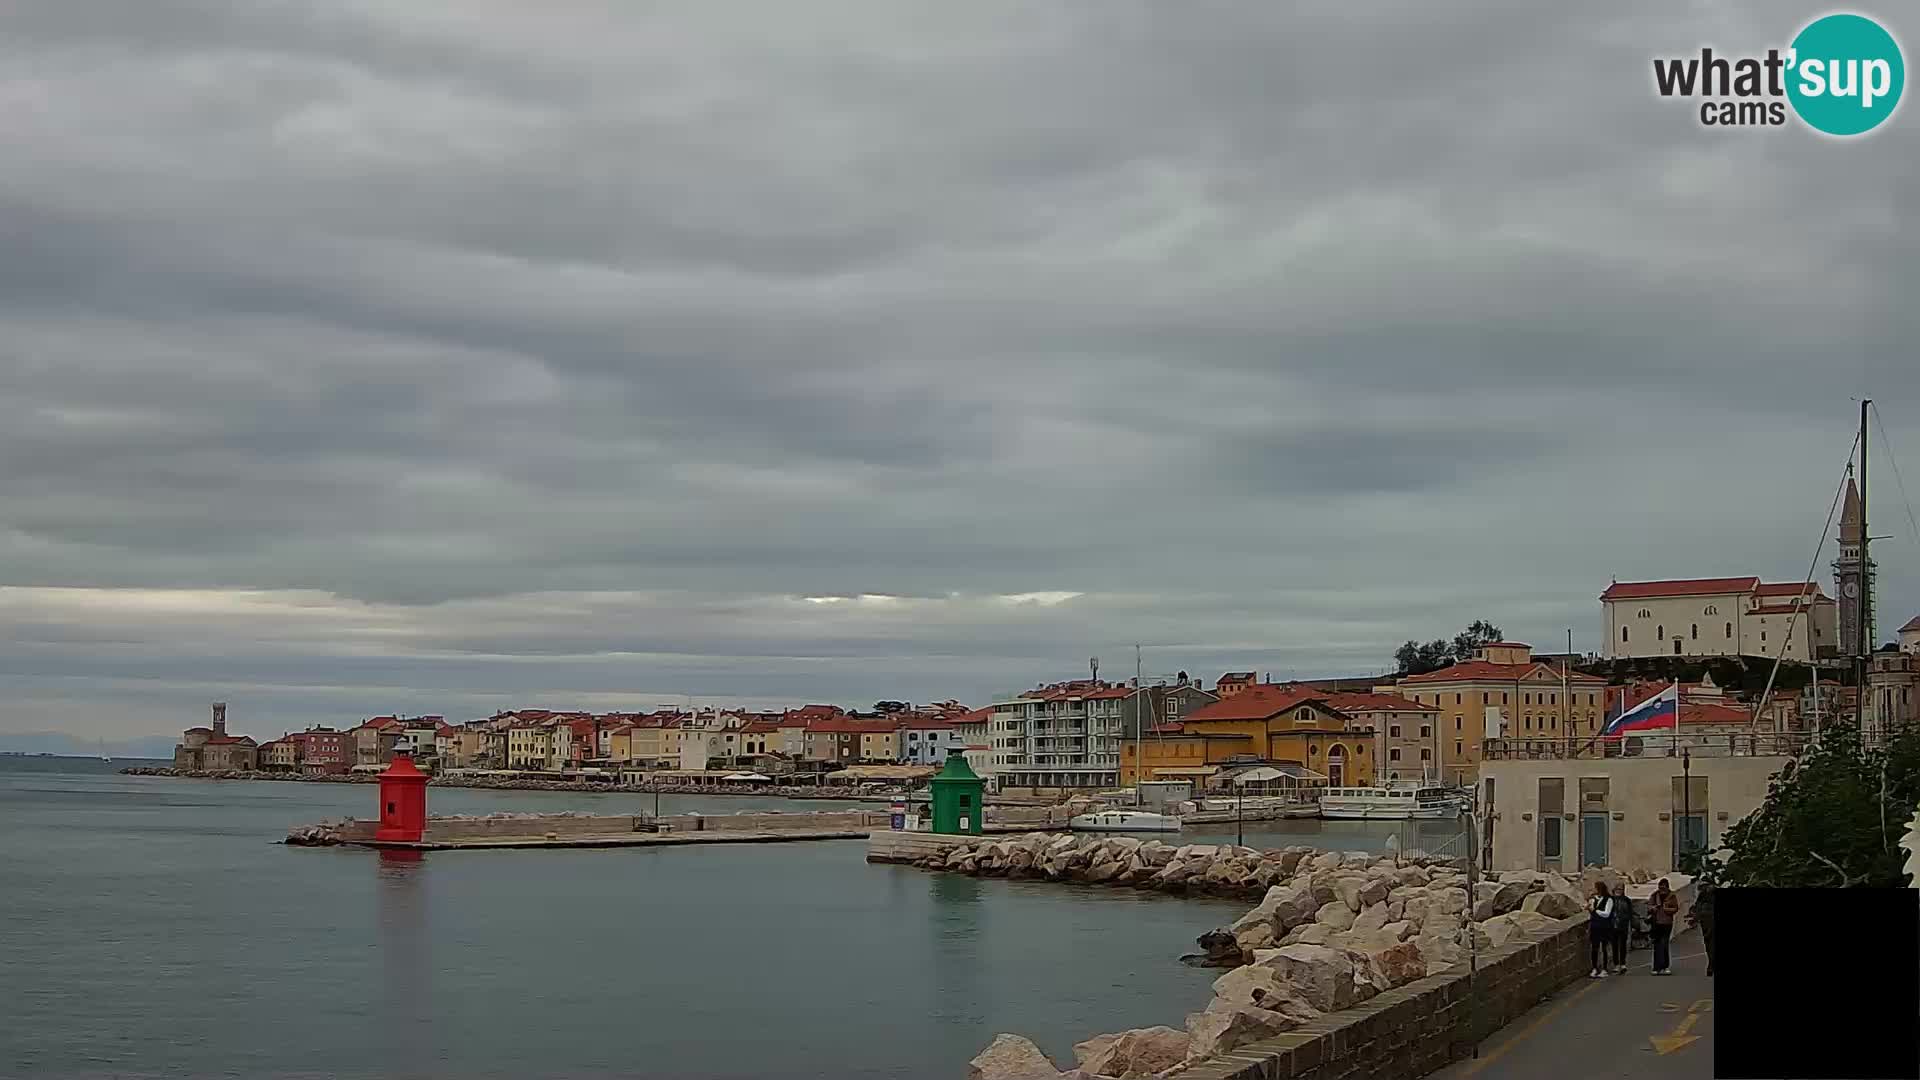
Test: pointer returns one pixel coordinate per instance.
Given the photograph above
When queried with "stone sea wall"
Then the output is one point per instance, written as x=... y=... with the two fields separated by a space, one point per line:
x=1332 y=931
x=565 y=825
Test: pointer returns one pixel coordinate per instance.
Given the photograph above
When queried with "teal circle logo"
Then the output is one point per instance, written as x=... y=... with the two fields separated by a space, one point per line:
x=1846 y=74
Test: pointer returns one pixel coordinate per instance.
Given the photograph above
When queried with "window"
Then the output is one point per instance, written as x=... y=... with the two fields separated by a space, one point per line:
x=1459 y=748
x=1660 y=630
x=1645 y=614
x=1456 y=699
x=1426 y=731
x=1623 y=634
x=1696 y=631
x=1393 y=754
x=1711 y=609
x=1527 y=723
x=1503 y=698
x=1729 y=631
x=1426 y=754
x=1456 y=723
x=1394 y=730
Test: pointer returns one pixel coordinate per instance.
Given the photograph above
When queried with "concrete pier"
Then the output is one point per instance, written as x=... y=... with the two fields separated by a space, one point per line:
x=600 y=830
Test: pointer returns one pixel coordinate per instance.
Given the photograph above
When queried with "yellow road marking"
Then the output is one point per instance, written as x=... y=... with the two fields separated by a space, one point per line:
x=1681 y=1036
x=1538 y=1022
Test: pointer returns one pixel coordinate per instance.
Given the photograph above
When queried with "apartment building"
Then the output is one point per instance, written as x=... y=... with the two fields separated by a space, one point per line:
x=1061 y=737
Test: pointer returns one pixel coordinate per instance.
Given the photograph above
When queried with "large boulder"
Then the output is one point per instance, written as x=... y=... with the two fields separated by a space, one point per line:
x=1336 y=915
x=1290 y=905
x=1449 y=901
x=1530 y=922
x=1492 y=933
x=1225 y=1026
x=1140 y=1052
x=1411 y=875
x=1084 y=1052
x=1105 y=872
x=1155 y=853
x=1553 y=904
x=1237 y=986
x=1321 y=976
x=1355 y=860
x=1011 y=1057
x=1257 y=936
x=1440 y=951
x=1382 y=967
x=1510 y=894
x=1290 y=858
x=1313 y=933
x=1398 y=931
x=1370 y=920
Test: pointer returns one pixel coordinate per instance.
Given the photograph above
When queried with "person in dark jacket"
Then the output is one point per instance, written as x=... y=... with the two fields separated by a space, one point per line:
x=1600 y=908
x=1661 y=909
x=1622 y=928
x=1701 y=915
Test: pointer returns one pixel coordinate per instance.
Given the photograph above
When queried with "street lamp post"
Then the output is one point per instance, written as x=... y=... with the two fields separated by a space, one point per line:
x=1686 y=799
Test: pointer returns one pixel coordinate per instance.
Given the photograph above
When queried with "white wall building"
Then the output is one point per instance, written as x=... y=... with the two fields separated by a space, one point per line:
x=1062 y=737
x=1703 y=617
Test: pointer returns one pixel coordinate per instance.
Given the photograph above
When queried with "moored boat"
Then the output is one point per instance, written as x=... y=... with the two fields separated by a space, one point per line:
x=1124 y=821
x=1390 y=802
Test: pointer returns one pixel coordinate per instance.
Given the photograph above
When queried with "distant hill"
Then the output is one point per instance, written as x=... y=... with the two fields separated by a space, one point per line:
x=59 y=742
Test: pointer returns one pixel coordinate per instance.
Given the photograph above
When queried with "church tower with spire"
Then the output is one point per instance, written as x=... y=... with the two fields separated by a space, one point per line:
x=1852 y=575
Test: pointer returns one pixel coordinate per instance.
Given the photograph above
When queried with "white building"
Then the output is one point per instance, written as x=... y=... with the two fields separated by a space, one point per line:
x=1738 y=616
x=976 y=736
x=925 y=740
x=1062 y=737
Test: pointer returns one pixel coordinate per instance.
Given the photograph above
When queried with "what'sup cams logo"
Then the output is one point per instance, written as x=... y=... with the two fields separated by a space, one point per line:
x=1842 y=75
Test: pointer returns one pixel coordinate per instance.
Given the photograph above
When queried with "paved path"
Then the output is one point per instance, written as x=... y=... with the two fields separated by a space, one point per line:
x=1633 y=1025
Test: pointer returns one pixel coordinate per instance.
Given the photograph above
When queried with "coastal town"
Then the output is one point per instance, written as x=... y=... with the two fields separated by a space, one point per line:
x=1751 y=668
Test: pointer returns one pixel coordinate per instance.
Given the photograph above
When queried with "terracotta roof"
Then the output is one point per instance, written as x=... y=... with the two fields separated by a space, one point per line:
x=1647 y=590
x=1171 y=727
x=1257 y=702
x=986 y=713
x=1790 y=588
x=1488 y=671
x=928 y=723
x=844 y=725
x=1236 y=676
x=1111 y=693
x=760 y=727
x=1376 y=703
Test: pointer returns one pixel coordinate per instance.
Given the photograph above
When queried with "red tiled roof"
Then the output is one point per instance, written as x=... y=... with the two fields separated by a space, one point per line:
x=760 y=727
x=1171 y=727
x=977 y=715
x=1488 y=671
x=1647 y=590
x=1257 y=702
x=1236 y=676
x=1111 y=693
x=844 y=725
x=1375 y=703
x=928 y=723
x=1790 y=588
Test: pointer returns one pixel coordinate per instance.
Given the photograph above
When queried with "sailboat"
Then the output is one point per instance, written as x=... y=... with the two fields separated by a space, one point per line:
x=1140 y=820
x=103 y=751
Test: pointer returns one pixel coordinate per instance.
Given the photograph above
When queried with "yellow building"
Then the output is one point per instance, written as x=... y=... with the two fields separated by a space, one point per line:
x=529 y=744
x=1263 y=722
x=1503 y=691
x=620 y=744
x=880 y=745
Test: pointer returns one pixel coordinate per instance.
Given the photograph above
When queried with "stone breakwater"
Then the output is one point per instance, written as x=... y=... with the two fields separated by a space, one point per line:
x=1330 y=931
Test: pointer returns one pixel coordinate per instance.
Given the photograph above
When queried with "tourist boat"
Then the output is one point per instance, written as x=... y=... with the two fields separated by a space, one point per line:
x=1392 y=802
x=1124 y=821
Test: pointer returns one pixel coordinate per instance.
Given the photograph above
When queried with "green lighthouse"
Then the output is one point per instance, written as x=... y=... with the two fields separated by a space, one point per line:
x=958 y=797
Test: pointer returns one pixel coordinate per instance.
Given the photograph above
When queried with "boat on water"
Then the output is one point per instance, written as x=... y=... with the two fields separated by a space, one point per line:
x=1390 y=802
x=1124 y=821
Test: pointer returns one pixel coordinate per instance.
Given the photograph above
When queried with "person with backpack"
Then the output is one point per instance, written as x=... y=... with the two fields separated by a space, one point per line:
x=1661 y=909
x=1600 y=907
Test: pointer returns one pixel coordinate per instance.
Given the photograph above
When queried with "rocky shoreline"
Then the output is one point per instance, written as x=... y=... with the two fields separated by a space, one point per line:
x=838 y=793
x=1331 y=930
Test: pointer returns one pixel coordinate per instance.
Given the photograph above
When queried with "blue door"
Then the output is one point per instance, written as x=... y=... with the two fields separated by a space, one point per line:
x=1593 y=839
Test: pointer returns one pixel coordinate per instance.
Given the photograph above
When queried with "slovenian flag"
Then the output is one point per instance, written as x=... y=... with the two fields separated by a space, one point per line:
x=1662 y=710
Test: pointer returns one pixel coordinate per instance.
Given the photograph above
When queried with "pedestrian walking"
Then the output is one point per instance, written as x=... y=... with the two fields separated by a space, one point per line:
x=1600 y=908
x=1622 y=928
x=1701 y=915
x=1661 y=909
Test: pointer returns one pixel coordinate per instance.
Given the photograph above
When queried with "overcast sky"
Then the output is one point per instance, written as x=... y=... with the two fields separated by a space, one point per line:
x=445 y=357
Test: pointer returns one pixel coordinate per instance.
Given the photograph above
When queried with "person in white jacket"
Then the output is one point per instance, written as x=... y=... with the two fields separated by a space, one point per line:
x=1600 y=927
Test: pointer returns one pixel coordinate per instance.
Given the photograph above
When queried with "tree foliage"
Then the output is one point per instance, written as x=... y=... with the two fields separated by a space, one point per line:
x=1416 y=658
x=1833 y=818
x=887 y=708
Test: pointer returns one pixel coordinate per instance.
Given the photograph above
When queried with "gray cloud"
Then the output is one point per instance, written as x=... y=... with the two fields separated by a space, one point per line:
x=466 y=355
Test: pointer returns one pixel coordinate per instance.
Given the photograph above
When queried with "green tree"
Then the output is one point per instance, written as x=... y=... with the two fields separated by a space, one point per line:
x=1415 y=658
x=1832 y=818
x=888 y=708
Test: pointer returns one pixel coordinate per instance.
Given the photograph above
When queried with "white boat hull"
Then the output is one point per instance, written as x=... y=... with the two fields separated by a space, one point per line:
x=1389 y=813
x=1124 y=821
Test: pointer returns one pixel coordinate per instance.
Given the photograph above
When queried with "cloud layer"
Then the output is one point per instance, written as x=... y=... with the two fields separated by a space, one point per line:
x=446 y=356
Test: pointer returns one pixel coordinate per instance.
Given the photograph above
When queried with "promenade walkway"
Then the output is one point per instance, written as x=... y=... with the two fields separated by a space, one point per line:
x=1633 y=1025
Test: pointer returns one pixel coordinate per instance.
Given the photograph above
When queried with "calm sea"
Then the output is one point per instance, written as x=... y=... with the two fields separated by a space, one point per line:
x=151 y=927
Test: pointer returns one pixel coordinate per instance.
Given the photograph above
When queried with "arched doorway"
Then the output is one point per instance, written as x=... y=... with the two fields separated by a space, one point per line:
x=1336 y=766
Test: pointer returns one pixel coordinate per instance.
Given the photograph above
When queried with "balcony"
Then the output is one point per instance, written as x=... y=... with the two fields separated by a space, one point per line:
x=1730 y=744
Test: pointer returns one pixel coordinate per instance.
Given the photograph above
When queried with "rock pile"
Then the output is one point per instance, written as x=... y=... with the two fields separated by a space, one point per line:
x=325 y=834
x=1332 y=929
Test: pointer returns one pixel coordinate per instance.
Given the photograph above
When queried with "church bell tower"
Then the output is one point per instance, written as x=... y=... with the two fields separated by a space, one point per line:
x=1852 y=574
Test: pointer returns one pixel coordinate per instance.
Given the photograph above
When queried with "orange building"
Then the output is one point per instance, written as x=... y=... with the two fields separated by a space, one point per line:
x=1263 y=722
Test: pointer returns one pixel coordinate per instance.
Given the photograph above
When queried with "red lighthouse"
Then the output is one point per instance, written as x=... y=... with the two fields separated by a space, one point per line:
x=403 y=802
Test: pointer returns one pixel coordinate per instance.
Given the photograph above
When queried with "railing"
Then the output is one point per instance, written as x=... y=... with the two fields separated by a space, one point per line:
x=1725 y=744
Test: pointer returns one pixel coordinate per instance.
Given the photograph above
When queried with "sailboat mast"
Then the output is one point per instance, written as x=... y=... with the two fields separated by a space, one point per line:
x=1864 y=647
x=1139 y=736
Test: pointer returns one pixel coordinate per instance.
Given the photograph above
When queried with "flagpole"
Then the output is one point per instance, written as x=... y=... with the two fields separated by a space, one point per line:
x=1676 y=716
